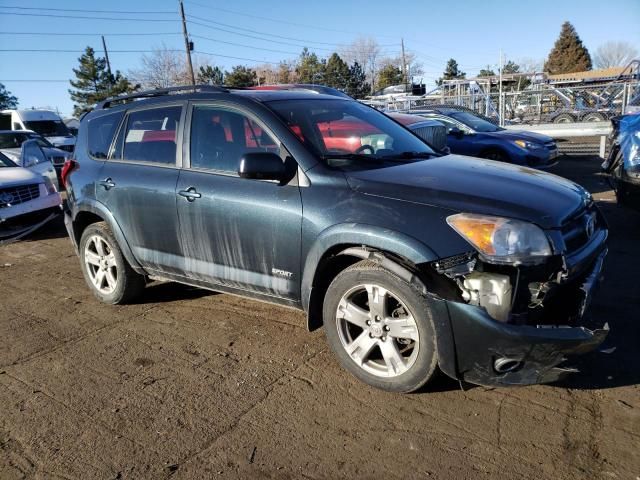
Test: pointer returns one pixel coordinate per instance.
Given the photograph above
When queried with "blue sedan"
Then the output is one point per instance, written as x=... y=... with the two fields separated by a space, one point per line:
x=472 y=135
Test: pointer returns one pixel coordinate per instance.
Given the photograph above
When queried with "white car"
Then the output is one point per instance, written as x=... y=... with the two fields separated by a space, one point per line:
x=45 y=122
x=31 y=156
x=11 y=143
x=27 y=200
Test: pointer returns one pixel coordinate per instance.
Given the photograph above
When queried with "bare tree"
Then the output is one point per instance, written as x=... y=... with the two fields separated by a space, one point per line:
x=161 y=69
x=614 y=54
x=365 y=51
x=414 y=67
x=530 y=65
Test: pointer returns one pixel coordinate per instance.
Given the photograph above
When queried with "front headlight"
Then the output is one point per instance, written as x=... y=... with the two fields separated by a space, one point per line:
x=526 y=145
x=502 y=240
x=48 y=183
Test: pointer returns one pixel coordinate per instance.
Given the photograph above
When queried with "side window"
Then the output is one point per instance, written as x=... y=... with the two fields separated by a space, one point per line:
x=100 y=134
x=220 y=137
x=150 y=136
x=447 y=123
x=17 y=126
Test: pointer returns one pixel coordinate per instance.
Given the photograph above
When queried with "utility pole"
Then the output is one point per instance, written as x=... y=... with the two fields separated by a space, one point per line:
x=405 y=74
x=500 y=99
x=187 y=44
x=106 y=56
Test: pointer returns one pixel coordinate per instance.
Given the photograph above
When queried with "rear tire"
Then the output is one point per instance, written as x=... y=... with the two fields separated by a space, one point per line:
x=395 y=351
x=564 y=118
x=593 y=117
x=106 y=271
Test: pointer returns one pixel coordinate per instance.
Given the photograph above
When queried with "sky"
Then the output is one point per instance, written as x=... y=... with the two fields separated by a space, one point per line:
x=472 y=32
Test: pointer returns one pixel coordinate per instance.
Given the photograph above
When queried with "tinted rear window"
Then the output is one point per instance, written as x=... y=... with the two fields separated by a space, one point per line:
x=151 y=135
x=101 y=131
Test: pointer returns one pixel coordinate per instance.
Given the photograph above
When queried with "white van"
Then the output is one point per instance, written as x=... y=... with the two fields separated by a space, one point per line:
x=45 y=122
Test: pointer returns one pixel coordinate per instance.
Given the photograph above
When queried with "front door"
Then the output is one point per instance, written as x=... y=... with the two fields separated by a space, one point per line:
x=138 y=183
x=236 y=232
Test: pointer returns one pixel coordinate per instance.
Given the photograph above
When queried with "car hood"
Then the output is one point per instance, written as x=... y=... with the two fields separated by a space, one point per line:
x=519 y=135
x=473 y=185
x=68 y=140
x=11 y=176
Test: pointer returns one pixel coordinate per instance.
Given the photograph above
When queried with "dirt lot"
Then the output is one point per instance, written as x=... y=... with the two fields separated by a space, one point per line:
x=191 y=384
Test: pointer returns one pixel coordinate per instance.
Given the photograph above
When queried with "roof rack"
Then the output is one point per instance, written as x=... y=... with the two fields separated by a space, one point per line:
x=159 y=92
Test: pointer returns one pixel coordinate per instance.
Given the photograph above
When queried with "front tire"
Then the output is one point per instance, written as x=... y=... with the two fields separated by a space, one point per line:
x=380 y=328
x=106 y=271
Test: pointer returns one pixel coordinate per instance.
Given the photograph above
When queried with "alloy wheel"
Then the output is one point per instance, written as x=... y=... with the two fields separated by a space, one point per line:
x=101 y=264
x=377 y=330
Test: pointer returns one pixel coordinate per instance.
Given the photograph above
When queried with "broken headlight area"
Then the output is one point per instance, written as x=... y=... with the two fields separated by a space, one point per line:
x=522 y=295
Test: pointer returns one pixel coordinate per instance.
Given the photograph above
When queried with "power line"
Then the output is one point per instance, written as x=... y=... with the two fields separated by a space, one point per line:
x=241 y=45
x=80 y=10
x=270 y=34
x=89 y=34
x=80 y=17
x=277 y=20
x=269 y=39
x=56 y=50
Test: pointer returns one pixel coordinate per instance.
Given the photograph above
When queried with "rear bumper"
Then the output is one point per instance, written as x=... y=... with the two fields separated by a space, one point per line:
x=488 y=352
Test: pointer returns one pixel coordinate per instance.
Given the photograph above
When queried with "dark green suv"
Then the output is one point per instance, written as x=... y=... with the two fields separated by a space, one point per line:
x=411 y=260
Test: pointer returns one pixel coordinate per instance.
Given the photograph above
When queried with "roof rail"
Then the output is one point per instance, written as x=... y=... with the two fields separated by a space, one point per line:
x=159 y=92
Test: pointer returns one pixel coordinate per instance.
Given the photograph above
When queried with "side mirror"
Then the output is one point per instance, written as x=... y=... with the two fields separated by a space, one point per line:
x=456 y=132
x=31 y=154
x=262 y=166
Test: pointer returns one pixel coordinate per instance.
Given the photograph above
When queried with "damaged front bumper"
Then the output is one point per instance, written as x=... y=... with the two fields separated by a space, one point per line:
x=489 y=352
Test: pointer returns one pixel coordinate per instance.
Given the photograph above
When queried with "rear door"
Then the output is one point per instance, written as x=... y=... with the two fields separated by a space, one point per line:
x=138 y=184
x=236 y=232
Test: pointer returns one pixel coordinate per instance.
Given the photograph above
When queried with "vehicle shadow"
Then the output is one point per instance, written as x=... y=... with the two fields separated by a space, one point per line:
x=165 y=292
x=618 y=304
x=49 y=231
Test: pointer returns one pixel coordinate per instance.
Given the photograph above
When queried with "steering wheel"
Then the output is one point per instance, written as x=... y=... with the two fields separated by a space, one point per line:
x=362 y=148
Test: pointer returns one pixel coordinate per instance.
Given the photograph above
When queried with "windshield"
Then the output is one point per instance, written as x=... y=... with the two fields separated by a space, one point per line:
x=344 y=132
x=16 y=139
x=475 y=122
x=48 y=128
x=5 y=162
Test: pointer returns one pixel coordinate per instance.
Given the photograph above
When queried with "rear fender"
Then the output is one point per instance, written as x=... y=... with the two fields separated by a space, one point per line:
x=99 y=209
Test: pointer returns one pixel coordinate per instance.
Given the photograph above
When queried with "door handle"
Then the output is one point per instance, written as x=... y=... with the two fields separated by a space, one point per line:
x=107 y=183
x=190 y=194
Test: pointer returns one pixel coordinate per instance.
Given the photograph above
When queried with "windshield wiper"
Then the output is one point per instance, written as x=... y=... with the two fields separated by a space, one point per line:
x=411 y=155
x=352 y=156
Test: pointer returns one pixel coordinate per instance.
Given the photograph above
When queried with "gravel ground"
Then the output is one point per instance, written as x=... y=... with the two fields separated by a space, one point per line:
x=192 y=384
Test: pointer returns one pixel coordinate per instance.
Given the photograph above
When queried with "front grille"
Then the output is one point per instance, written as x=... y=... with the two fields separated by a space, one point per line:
x=551 y=146
x=435 y=136
x=20 y=194
x=66 y=148
x=58 y=160
x=578 y=231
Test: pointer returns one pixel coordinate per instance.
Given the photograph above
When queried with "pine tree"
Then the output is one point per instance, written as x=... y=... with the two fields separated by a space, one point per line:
x=336 y=73
x=568 y=54
x=486 y=72
x=210 y=75
x=94 y=83
x=7 y=100
x=241 y=76
x=451 y=72
x=389 y=75
x=357 y=86
x=310 y=69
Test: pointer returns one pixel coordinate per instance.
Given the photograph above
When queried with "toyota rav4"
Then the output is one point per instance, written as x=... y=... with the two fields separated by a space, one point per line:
x=409 y=259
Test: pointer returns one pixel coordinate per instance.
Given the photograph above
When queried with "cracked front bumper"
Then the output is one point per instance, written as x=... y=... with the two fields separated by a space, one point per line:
x=537 y=351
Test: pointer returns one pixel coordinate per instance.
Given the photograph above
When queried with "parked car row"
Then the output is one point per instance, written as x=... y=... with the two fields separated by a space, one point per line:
x=410 y=259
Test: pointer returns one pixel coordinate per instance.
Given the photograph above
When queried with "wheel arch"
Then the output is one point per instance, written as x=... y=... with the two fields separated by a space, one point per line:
x=327 y=257
x=92 y=211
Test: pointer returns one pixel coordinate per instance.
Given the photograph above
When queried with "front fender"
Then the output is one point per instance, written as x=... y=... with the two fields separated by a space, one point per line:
x=97 y=208
x=346 y=234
